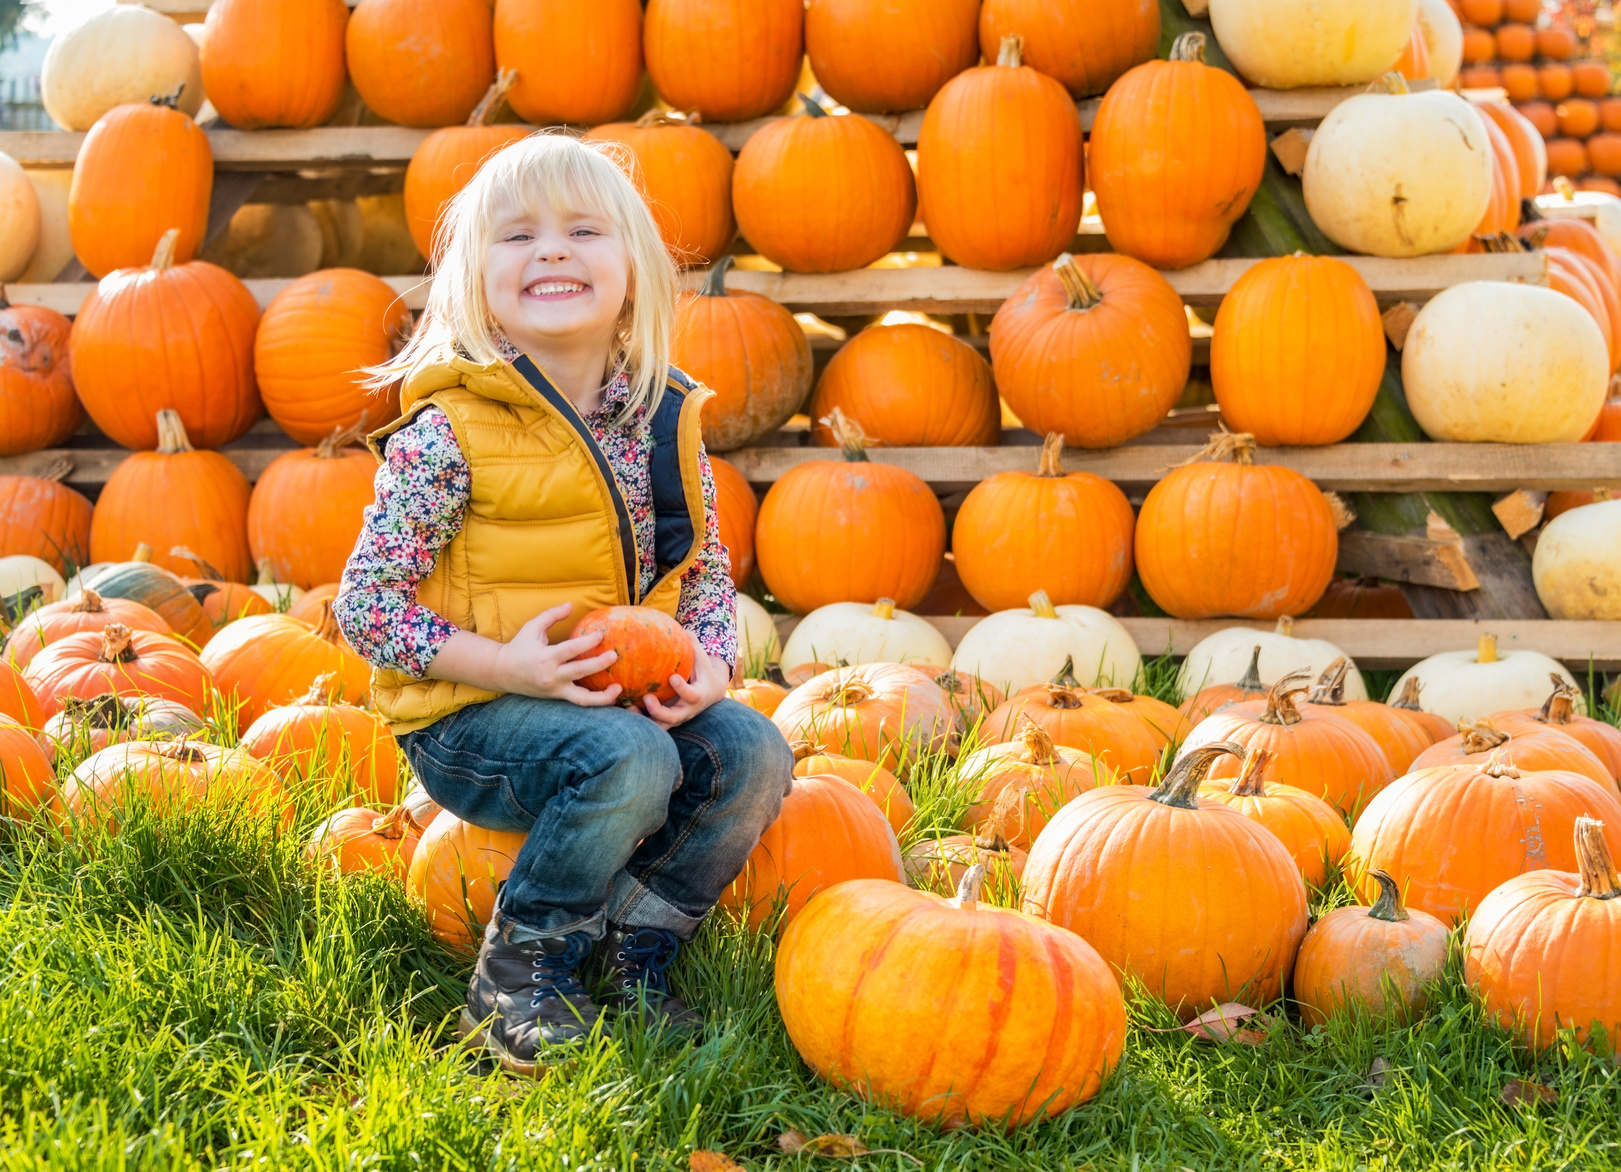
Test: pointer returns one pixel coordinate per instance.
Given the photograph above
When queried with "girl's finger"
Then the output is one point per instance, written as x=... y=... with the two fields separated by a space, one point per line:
x=570 y=648
x=576 y=669
x=686 y=691
x=585 y=698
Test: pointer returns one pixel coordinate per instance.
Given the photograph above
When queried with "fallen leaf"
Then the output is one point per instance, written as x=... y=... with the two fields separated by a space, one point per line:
x=1221 y=1024
x=702 y=1161
x=837 y=1147
x=1249 y=1037
x=1378 y=1073
x=1519 y=1092
x=791 y=1141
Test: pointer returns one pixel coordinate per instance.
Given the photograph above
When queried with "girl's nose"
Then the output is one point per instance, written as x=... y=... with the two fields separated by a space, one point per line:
x=552 y=247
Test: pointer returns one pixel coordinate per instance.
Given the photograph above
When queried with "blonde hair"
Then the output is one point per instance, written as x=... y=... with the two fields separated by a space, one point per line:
x=557 y=170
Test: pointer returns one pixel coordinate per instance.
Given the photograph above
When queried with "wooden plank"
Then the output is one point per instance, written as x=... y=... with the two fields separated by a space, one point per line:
x=67 y=298
x=1520 y=511
x=1422 y=561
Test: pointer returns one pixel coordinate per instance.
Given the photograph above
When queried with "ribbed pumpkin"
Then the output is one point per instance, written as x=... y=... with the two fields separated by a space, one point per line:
x=1525 y=743
x=1541 y=949
x=1224 y=536
x=88 y=612
x=1078 y=719
x=274 y=62
x=44 y=519
x=158 y=590
x=1095 y=347
x=1217 y=696
x=266 y=661
x=1530 y=155
x=1015 y=1021
x=909 y=385
x=360 y=841
x=822 y=194
x=880 y=58
x=168 y=337
x=172 y=777
x=1165 y=724
x=420 y=62
x=1068 y=535
x=314 y=339
x=872 y=779
x=1298 y=351
x=849 y=531
x=577 y=61
x=1086 y=46
x=728 y=61
x=1601 y=739
x=1037 y=777
x=1311 y=830
x=17 y=699
x=1503 y=209
x=1579 y=278
x=119 y=661
x=38 y=408
x=736 y=510
x=306 y=510
x=1451 y=834
x=764 y=696
x=829 y=832
x=879 y=712
x=972 y=697
x=1314 y=750
x=447 y=160
x=747 y=349
x=1414 y=63
x=175 y=496
x=1167 y=195
x=686 y=174
x=1379 y=958
x=1439 y=728
x=27 y=780
x=1400 y=737
x=318 y=736
x=999 y=165
x=1187 y=895
x=455 y=874
x=139 y=172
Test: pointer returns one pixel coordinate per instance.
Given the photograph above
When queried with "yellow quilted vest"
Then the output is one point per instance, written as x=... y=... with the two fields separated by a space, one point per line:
x=546 y=522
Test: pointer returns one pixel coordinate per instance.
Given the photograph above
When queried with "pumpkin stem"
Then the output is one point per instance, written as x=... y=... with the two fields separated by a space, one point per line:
x=172 y=437
x=171 y=100
x=1011 y=51
x=850 y=693
x=1496 y=767
x=327 y=627
x=1408 y=699
x=88 y=602
x=1115 y=695
x=1561 y=705
x=1251 y=781
x=1250 y=681
x=852 y=440
x=181 y=750
x=1003 y=814
x=1065 y=676
x=1481 y=736
x=1330 y=688
x=205 y=568
x=655 y=118
x=104 y=711
x=1042 y=607
x=163 y=254
x=1051 y=463
x=143 y=552
x=397 y=823
x=1487 y=649
x=812 y=106
x=1390 y=83
x=323 y=690
x=884 y=608
x=1280 y=701
x=331 y=448
x=1064 y=699
x=1599 y=879
x=1499 y=242
x=115 y=644
x=1188 y=47
x=490 y=104
x=968 y=889
x=1237 y=447
x=266 y=573
x=1038 y=746
x=1285 y=626
x=715 y=282
x=801 y=749
x=1388 y=907
x=1181 y=784
x=1080 y=289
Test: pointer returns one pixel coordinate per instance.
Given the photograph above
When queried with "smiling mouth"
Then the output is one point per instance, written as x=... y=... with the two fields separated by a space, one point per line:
x=554 y=289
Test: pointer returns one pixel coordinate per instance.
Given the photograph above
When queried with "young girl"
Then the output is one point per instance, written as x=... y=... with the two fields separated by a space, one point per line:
x=549 y=462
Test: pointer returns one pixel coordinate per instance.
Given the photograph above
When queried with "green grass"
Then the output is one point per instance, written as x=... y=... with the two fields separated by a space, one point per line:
x=192 y=993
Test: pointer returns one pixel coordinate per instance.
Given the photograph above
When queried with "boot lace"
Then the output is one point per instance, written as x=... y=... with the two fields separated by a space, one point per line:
x=555 y=974
x=644 y=955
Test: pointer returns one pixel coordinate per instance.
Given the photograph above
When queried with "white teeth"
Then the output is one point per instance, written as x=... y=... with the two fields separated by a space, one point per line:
x=554 y=287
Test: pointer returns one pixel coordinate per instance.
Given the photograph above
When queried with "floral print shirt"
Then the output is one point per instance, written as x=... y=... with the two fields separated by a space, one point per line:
x=423 y=488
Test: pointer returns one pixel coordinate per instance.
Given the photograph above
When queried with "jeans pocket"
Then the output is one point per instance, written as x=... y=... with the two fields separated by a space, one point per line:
x=473 y=788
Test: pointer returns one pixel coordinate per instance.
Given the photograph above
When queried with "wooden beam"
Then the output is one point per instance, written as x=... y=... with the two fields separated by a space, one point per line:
x=1520 y=511
x=1421 y=561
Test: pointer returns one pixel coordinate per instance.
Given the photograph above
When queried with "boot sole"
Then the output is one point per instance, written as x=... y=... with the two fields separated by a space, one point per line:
x=475 y=1036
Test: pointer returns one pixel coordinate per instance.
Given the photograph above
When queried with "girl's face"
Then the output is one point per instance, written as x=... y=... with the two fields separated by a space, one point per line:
x=556 y=279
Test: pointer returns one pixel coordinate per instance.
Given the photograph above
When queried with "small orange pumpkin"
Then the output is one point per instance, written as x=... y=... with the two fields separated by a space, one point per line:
x=222 y=601
x=1602 y=739
x=38 y=408
x=43 y=518
x=88 y=612
x=1400 y=736
x=317 y=735
x=307 y=509
x=1018 y=786
x=1525 y=743
x=274 y=62
x=685 y=173
x=1218 y=696
x=1085 y=46
x=878 y=783
x=882 y=58
x=172 y=777
x=361 y=841
x=269 y=660
x=1438 y=727
x=577 y=61
x=909 y=385
x=1080 y=720
x=880 y=712
x=1165 y=724
x=455 y=874
x=1311 y=830
x=651 y=647
x=730 y=62
x=420 y=62
x=763 y=696
x=119 y=661
x=27 y=780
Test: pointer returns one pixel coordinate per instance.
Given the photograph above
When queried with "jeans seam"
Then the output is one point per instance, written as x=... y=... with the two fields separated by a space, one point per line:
x=691 y=822
x=502 y=782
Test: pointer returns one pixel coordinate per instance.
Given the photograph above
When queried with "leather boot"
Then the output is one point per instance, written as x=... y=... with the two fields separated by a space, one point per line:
x=635 y=962
x=525 y=997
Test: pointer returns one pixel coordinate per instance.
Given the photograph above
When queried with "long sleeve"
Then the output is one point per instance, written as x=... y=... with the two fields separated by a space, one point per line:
x=423 y=488
x=708 y=603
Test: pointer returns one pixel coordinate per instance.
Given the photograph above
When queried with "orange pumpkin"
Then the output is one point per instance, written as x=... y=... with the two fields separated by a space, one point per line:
x=1094 y=346
x=1311 y=830
x=822 y=194
x=1543 y=120
x=17 y=699
x=44 y=519
x=1590 y=79
x=1520 y=741
x=849 y=531
x=880 y=712
x=730 y=62
x=159 y=590
x=1516 y=42
x=1001 y=136
x=1085 y=46
x=735 y=510
x=308 y=606
x=421 y=62
x=1608 y=428
x=577 y=60
x=1580 y=237
x=1079 y=720
x=1450 y=834
x=1224 y=536
x=172 y=777
x=1218 y=696
x=872 y=779
x=319 y=736
x=1522 y=11
x=1609 y=114
x=88 y=726
x=223 y=601
x=1164 y=723
x=1167 y=196
x=363 y=841
x=971 y=697
x=1556 y=42
x=1555 y=80
x=1312 y=749
x=747 y=349
x=685 y=173
x=27 y=780
x=1566 y=156
x=141 y=171
x=175 y=496
x=1520 y=82
x=829 y=832
x=118 y=661
x=88 y=612
x=1486 y=13
x=313 y=341
x=881 y=58
x=1503 y=208
x=1604 y=152
x=1478 y=45
x=455 y=874
x=1018 y=786
x=1400 y=737
x=265 y=661
x=1578 y=117
x=1558 y=712
x=909 y=385
x=763 y=696
x=168 y=337
x=307 y=509
x=447 y=160
x=1579 y=278
x=274 y=62
x=38 y=408
x=1069 y=535
x=1481 y=77
x=650 y=645
x=1414 y=63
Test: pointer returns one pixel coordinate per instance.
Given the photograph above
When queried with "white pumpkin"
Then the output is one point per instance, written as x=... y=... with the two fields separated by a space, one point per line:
x=1285 y=44
x=1599 y=208
x=1496 y=362
x=206 y=112
x=1467 y=685
x=1224 y=657
x=1443 y=37
x=55 y=248
x=280 y=595
x=19 y=219
x=1399 y=174
x=1577 y=565
x=20 y=573
x=757 y=642
x=126 y=53
x=1015 y=649
x=851 y=633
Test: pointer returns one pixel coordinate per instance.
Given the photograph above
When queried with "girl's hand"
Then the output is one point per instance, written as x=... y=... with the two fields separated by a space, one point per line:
x=529 y=665
x=708 y=684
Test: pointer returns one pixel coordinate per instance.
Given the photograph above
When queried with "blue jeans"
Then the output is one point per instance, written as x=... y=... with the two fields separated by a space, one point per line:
x=626 y=821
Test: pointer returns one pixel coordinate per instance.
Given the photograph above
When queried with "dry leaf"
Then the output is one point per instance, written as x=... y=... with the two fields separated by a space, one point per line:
x=838 y=1147
x=1378 y=1073
x=1519 y=1092
x=1221 y=1024
x=791 y=1141
x=702 y=1161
